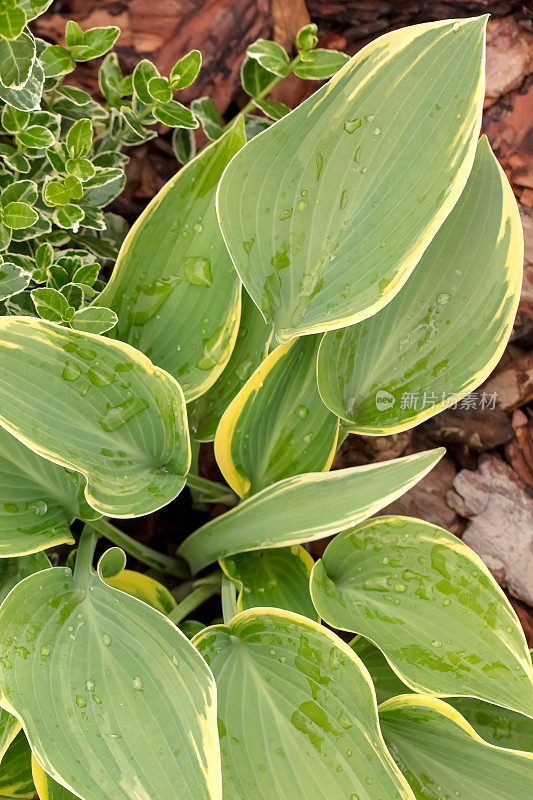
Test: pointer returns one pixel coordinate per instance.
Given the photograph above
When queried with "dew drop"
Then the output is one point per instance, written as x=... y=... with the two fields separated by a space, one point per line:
x=198 y=271
x=302 y=412
x=71 y=371
x=377 y=131
x=436 y=643
x=285 y=214
x=137 y=683
x=351 y=125
x=443 y=298
x=106 y=639
x=80 y=701
x=11 y=508
x=89 y=685
x=38 y=507
x=45 y=651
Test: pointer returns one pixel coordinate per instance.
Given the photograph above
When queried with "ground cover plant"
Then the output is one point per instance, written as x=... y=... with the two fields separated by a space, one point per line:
x=294 y=280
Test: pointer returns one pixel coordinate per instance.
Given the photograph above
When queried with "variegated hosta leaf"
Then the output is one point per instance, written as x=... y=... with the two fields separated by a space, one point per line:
x=15 y=770
x=430 y=605
x=328 y=211
x=129 y=707
x=9 y=727
x=174 y=288
x=99 y=407
x=144 y=588
x=297 y=713
x=442 y=756
x=39 y=500
x=251 y=347
x=306 y=507
x=495 y=724
x=278 y=578
x=13 y=570
x=445 y=331
x=277 y=426
x=47 y=788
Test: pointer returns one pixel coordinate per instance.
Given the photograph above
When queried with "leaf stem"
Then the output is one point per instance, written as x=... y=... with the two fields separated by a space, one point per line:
x=211 y=491
x=202 y=591
x=150 y=557
x=84 y=557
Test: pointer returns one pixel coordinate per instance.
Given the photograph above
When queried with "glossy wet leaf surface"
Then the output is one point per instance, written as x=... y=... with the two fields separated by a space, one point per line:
x=297 y=715
x=277 y=426
x=97 y=406
x=250 y=349
x=442 y=757
x=497 y=725
x=129 y=709
x=431 y=606
x=277 y=578
x=305 y=507
x=328 y=211
x=174 y=288
x=39 y=500
x=445 y=331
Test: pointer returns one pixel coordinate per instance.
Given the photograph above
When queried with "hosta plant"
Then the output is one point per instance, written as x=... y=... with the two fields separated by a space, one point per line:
x=351 y=265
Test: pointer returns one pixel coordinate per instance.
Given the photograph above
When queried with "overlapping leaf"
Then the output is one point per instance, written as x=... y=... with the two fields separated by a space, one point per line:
x=96 y=406
x=129 y=708
x=431 y=606
x=306 y=507
x=250 y=349
x=297 y=713
x=497 y=725
x=277 y=578
x=445 y=331
x=277 y=425
x=46 y=787
x=328 y=211
x=39 y=500
x=15 y=770
x=441 y=755
x=174 y=289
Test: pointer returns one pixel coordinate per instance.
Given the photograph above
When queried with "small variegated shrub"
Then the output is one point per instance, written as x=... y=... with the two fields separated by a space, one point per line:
x=295 y=281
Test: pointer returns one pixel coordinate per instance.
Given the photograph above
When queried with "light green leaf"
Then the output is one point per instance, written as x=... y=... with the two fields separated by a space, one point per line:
x=69 y=216
x=15 y=772
x=344 y=194
x=5 y=236
x=250 y=349
x=99 y=407
x=254 y=78
x=183 y=144
x=14 y=120
x=51 y=304
x=306 y=38
x=18 y=215
x=94 y=319
x=33 y=8
x=209 y=117
x=445 y=331
x=305 y=508
x=159 y=89
x=132 y=715
x=185 y=71
x=16 y=60
x=142 y=74
x=320 y=64
x=277 y=426
x=13 y=570
x=95 y=43
x=441 y=755
x=20 y=191
x=56 y=60
x=73 y=33
x=175 y=115
x=13 y=279
x=39 y=501
x=81 y=168
x=80 y=138
x=430 y=605
x=28 y=97
x=12 y=21
x=183 y=308
x=270 y=55
x=144 y=588
x=277 y=578
x=297 y=714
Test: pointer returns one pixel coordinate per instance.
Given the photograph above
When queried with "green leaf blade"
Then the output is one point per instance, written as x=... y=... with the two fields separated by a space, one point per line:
x=104 y=410
x=327 y=187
